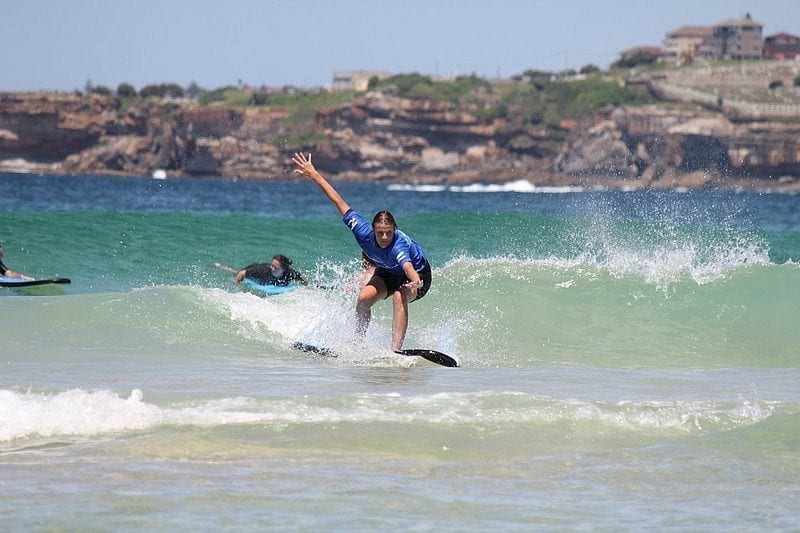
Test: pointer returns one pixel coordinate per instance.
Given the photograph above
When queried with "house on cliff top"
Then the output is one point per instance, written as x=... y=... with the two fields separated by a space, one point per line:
x=782 y=46
x=737 y=39
x=730 y=39
x=683 y=45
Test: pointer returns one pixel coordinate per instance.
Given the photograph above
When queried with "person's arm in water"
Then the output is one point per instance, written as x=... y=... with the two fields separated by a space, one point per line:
x=306 y=168
x=11 y=274
x=7 y=272
x=238 y=274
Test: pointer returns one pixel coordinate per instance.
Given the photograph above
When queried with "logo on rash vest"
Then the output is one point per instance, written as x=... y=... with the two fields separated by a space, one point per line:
x=352 y=223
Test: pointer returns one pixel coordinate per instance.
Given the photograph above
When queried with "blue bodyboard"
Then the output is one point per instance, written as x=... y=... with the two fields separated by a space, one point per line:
x=268 y=289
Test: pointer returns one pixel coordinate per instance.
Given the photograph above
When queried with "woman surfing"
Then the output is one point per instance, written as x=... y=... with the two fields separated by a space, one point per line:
x=401 y=269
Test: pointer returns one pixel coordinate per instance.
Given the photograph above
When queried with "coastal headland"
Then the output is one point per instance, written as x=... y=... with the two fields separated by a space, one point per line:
x=662 y=128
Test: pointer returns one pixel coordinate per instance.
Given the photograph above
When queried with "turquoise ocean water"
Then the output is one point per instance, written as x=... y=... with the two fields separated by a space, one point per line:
x=629 y=360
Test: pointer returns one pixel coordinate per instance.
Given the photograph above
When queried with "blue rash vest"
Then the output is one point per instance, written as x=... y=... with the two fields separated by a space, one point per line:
x=392 y=258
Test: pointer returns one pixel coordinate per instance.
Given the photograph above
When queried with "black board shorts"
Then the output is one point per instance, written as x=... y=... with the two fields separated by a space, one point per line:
x=393 y=282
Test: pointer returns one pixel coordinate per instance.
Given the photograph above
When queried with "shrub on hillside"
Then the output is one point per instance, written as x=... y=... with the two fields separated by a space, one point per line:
x=537 y=78
x=636 y=57
x=101 y=90
x=162 y=90
x=423 y=87
x=126 y=90
x=221 y=94
x=194 y=90
x=591 y=68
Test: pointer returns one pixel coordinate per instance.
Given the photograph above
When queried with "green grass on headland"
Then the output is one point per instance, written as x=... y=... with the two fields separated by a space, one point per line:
x=537 y=98
x=544 y=101
x=533 y=97
x=577 y=98
x=417 y=86
x=288 y=97
x=302 y=104
x=228 y=96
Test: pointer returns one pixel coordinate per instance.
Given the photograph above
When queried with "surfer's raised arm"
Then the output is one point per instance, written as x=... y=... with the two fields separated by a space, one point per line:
x=306 y=168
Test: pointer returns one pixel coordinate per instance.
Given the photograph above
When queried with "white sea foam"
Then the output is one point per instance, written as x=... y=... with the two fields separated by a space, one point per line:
x=660 y=265
x=287 y=315
x=73 y=412
x=81 y=413
x=667 y=264
x=313 y=316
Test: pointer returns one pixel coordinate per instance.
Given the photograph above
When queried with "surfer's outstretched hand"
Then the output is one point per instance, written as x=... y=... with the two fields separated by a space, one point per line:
x=304 y=165
x=306 y=168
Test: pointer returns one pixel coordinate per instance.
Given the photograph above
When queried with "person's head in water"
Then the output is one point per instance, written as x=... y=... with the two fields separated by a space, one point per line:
x=384 y=226
x=280 y=263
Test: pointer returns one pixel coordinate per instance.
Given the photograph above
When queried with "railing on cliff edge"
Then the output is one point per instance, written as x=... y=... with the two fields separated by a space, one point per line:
x=733 y=109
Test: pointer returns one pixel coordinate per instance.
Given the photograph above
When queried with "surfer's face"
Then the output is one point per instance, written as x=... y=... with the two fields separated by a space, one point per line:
x=276 y=268
x=384 y=233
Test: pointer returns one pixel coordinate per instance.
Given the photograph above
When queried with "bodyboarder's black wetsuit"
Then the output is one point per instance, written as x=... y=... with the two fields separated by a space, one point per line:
x=262 y=273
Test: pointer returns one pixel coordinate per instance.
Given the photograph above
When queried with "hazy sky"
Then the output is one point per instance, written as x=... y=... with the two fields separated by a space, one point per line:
x=60 y=44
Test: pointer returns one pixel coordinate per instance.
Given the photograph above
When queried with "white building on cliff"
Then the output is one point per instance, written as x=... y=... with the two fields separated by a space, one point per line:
x=355 y=80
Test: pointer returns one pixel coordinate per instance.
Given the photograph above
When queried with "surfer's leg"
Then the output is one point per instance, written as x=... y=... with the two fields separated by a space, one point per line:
x=373 y=291
x=399 y=317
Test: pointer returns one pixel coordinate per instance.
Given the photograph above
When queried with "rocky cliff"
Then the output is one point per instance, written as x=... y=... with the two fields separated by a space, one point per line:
x=381 y=137
x=650 y=143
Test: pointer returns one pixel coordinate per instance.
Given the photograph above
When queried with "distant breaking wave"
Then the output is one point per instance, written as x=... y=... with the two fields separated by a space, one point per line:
x=523 y=186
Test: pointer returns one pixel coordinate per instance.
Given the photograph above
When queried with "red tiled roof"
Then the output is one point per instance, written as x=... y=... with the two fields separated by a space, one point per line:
x=781 y=35
x=653 y=49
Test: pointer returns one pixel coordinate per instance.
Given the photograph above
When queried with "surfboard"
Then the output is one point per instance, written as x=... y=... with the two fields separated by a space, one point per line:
x=26 y=282
x=431 y=355
x=268 y=289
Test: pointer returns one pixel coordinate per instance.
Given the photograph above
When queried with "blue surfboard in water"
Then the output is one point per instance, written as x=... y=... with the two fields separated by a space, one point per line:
x=268 y=289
